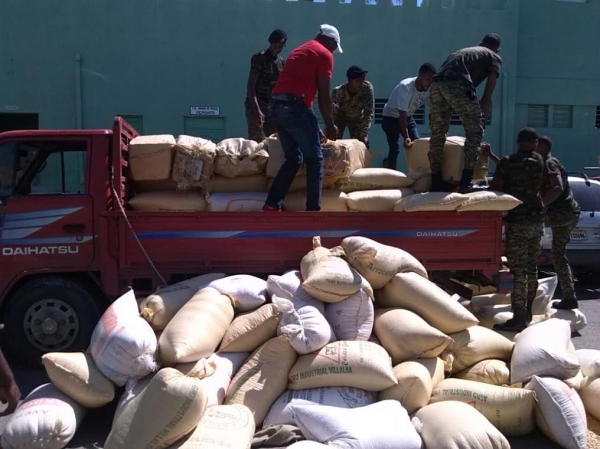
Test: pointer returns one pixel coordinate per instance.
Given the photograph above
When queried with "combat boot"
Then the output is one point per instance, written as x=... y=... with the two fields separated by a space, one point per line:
x=465 y=185
x=529 y=318
x=516 y=324
x=566 y=304
x=437 y=182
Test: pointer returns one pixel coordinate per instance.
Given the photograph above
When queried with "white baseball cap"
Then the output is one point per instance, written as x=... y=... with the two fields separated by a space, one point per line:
x=332 y=32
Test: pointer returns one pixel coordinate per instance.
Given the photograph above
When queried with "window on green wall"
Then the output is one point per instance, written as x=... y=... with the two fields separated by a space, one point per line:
x=537 y=115
x=562 y=116
x=419 y=114
x=455 y=121
x=597 y=116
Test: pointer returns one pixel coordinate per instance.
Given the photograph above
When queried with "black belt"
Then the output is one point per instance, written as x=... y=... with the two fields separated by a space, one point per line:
x=285 y=98
x=448 y=78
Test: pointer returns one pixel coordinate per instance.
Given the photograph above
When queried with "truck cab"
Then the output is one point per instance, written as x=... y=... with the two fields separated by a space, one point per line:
x=48 y=245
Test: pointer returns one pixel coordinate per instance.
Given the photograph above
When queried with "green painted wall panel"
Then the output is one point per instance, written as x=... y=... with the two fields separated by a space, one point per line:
x=158 y=58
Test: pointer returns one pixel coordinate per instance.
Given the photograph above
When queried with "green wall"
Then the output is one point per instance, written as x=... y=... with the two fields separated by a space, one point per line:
x=157 y=58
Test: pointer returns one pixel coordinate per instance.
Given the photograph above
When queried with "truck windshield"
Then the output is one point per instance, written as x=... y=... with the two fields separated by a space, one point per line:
x=15 y=157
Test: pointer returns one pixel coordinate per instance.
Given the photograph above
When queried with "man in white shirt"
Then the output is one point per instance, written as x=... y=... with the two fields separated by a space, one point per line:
x=406 y=98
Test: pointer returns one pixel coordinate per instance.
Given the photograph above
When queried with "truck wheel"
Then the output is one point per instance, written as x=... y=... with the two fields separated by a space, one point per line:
x=49 y=315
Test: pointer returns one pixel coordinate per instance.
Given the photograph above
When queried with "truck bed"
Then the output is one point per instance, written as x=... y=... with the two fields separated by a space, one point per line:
x=261 y=243
x=186 y=243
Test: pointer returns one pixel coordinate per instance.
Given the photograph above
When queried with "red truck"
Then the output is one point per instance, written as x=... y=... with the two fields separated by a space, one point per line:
x=69 y=244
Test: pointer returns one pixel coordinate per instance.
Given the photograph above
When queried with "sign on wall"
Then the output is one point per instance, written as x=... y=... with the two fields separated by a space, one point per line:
x=212 y=111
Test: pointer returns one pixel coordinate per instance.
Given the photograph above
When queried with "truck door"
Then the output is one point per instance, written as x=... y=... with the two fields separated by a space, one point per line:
x=46 y=215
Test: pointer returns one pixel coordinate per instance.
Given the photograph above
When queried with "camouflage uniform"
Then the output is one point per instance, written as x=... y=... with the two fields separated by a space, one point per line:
x=454 y=90
x=268 y=69
x=562 y=215
x=353 y=110
x=522 y=175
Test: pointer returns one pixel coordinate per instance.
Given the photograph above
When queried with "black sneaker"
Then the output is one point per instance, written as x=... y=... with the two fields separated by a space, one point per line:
x=566 y=304
x=516 y=324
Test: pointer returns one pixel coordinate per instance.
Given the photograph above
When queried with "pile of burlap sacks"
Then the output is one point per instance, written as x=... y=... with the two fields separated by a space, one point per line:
x=194 y=174
x=357 y=349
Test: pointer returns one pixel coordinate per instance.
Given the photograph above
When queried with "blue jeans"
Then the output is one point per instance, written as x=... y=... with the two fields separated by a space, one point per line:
x=391 y=128
x=298 y=133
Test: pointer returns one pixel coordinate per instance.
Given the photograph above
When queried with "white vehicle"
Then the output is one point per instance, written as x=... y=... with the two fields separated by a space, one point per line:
x=584 y=247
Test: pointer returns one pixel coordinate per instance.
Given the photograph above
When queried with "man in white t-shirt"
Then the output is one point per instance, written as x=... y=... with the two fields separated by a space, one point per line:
x=406 y=98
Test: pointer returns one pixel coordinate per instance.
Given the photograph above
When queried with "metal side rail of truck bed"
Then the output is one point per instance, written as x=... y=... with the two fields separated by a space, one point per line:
x=258 y=242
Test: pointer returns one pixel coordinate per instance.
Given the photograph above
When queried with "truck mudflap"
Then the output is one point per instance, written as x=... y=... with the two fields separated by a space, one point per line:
x=255 y=242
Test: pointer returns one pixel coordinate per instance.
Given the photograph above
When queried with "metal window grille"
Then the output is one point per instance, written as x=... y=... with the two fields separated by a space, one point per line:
x=455 y=121
x=419 y=114
x=537 y=115
x=379 y=104
x=562 y=116
x=597 y=116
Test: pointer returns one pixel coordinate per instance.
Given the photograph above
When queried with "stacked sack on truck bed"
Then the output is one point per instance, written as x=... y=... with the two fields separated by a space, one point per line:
x=357 y=348
x=417 y=160
x=194 y=174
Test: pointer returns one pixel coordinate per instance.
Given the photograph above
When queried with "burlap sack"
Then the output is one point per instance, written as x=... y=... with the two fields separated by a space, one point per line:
x=422 y=182
x=255 y=183
x=299 y=184
x=488 y=200
x=357 y=364
x=375 y=179
x=76 y=375
x=340 y=158
x=510 y=410
x=476 y=344
x=494 y=372
x=416 y=380
x=250 y=330
x=222 y=426
x=328 y=277
x=407 y=336
x=194 y=160
x=413 y=292
x=239 y=157
x=379 y=263
x=456 y=425
x=376 y=200
x=434 y=201
x=160 y=307
x=197 y=329
x=158 y=413
x=151 y=157
x=168 y=201
x=262 y=379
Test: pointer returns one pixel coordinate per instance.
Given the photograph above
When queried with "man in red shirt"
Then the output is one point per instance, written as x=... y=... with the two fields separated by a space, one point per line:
x=307 y=71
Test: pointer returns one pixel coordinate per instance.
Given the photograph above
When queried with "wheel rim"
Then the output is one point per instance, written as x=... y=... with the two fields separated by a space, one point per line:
x=51 y=325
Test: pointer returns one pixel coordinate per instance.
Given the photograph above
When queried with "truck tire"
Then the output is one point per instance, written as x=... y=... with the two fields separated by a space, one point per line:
x=49 y=314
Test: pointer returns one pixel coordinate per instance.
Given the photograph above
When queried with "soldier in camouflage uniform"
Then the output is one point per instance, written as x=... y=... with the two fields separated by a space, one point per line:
x=562 y=215
x=454 y=90
x=265 y=67
x=520 y=175
x=354 y=105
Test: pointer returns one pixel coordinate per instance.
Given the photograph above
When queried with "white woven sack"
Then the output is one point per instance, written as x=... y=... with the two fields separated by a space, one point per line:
x=124 y=345
x=247 y=292
x=383 y=425
x=544 y=350
x=306 y=328
x=341 y=397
